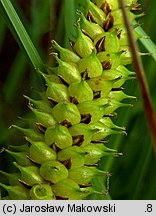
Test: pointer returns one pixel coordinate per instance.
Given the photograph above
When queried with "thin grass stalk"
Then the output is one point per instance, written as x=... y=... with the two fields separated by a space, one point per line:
x=30 y=49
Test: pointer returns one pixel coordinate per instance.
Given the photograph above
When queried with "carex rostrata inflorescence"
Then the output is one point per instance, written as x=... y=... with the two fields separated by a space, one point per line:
x=73 y=117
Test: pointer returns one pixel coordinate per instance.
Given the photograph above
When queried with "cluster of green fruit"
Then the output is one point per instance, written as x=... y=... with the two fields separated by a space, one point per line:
x=73 y=117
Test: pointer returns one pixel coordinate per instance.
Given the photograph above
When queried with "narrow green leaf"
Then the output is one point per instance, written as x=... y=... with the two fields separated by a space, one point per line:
x=22 y=34
x=69 y=11
x=146 y=41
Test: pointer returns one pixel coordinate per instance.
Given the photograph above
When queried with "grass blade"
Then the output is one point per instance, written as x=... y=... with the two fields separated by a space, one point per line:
x=69 y=11
x=22 y=34
x=146 y=41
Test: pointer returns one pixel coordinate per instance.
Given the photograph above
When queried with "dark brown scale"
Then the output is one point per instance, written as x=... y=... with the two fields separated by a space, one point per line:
x=73 y=100
x=106 y=65
x=86 y=118
x=72 y=44
x=34 y=162
x=90 y=17
x=60 y=198
x=108 y=23
x=136 y=7
x=85 y=33
x=52 y=102
x=84 y=75
x=24 y=184
x=119 y=33
x=27 y=142
x=66 y=123
x=101 y=141
x=118 y=78
x=100 y=44
x=57 y=149
x=85 y=185
x=97 y=94
x=117 y=89
x=105 y=7
x=67 y=163
x=72 y=47
x=78 y=140
x=63 y=81
x=41 y=128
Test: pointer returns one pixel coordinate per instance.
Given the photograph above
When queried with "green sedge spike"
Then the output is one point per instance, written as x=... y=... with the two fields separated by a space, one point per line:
x=40 y=152
x=46 y=119
x=53 y=171
x=40 y=104
x=68 y=71
x=11 y=177
x=83 y=45
x=80 y=91
x=72 y=157
x=88 y=63
x=69 y=189
x=20 y=157
x=69 y=112
x=58 y=135
x=96 y=13
x=16 y=192
x=72 y=121
x=65 y=54
x=84 y=175
x=31 y=133
x=30 y=174
x=90 y=28
x=20 y=148
x=42 y=192
x=93 y=152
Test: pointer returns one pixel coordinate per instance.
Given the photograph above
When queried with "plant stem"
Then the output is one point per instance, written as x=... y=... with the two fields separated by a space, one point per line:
x=148 y=107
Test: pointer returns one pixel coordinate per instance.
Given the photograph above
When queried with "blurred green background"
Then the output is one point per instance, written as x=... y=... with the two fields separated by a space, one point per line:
x=133 y=174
